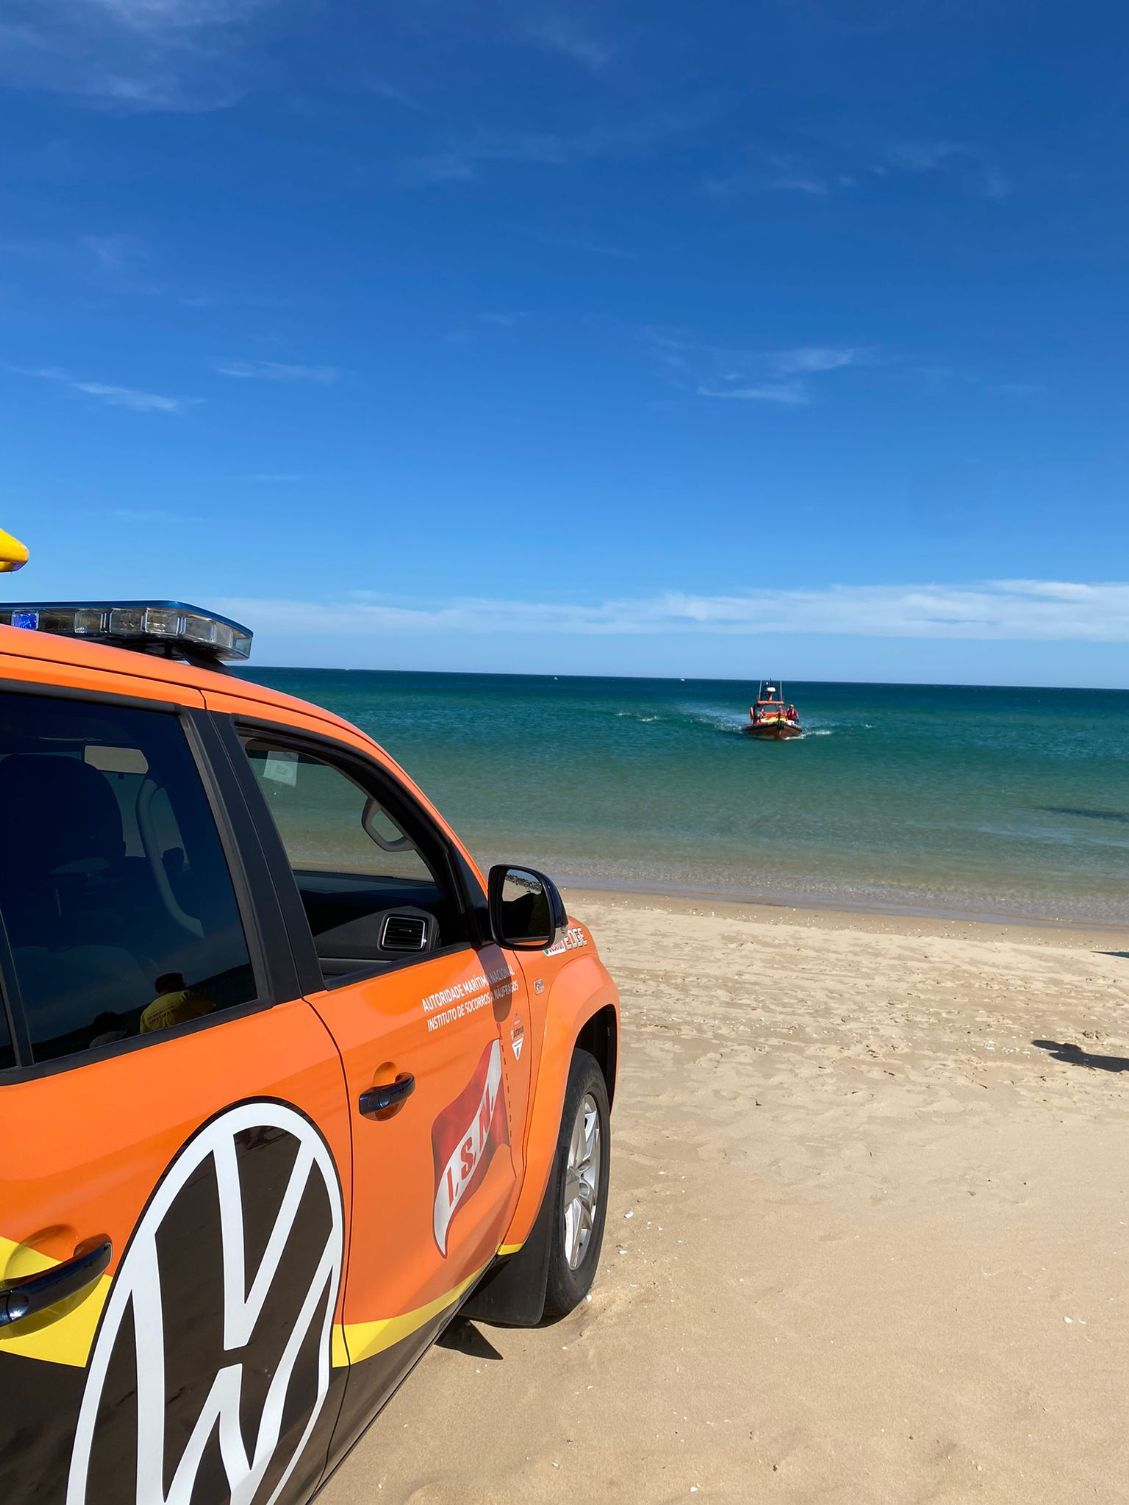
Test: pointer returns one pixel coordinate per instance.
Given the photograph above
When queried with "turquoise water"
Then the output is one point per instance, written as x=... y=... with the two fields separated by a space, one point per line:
x=927 y=798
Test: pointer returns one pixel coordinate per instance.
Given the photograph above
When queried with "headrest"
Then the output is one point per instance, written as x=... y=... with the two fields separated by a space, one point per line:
x=55 y=810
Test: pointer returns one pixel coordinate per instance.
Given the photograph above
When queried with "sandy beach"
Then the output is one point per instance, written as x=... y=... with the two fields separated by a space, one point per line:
x=867 y=1238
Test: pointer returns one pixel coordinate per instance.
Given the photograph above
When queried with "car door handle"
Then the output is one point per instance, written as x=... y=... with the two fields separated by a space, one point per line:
x=35 y=1293
x=388 y=1095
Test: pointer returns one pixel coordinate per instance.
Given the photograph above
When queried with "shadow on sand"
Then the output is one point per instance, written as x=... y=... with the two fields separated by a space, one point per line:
x=1076 y=1056
x=464 y=1337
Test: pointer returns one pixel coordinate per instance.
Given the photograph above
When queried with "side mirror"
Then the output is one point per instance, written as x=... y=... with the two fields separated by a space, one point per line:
x=527 y=912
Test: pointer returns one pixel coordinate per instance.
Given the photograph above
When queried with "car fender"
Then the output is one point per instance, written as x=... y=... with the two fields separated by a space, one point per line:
x=577 y=990
x=567 y=1010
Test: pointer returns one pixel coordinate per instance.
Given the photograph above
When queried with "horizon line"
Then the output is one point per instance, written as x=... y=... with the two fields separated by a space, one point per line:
x=928 y=684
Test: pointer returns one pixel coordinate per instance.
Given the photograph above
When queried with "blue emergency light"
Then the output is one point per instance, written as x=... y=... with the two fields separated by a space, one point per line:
x=171 y=629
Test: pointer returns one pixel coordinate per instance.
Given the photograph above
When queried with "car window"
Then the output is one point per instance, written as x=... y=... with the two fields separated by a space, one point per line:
x=115 y=892
x=327 y=821
x=373 y=885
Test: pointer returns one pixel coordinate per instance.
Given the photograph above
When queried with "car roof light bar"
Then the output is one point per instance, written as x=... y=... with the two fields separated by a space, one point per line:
x=169 y=629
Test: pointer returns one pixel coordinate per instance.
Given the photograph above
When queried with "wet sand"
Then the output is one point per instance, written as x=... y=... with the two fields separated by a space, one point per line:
x=868 y=1240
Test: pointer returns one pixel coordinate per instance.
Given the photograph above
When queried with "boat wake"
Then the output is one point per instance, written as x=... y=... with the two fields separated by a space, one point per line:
x=716 y=718
x=726 y=721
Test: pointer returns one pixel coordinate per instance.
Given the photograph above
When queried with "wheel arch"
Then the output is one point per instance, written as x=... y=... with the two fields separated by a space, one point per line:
x=599 y=1036
x=513 y=1291
x=582 y=1012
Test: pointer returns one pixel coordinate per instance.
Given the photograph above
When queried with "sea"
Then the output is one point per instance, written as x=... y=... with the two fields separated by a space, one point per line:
x=966 y=802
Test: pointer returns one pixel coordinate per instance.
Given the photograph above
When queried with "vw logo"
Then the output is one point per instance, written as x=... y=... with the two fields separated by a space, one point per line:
x=213 y=1357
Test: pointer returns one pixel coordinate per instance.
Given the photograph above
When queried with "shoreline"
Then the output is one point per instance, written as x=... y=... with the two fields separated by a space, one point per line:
x=760 y=906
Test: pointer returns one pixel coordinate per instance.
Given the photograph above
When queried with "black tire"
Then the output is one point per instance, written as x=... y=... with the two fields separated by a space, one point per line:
x=567 y=1287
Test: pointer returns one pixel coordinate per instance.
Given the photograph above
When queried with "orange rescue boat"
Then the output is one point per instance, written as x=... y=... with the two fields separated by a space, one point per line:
x=770 y=717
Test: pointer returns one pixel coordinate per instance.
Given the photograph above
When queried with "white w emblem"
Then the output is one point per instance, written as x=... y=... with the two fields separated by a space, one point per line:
x=241 y=1393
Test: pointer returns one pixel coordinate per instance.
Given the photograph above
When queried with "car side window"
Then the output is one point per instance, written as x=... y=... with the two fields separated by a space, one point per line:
x=374 y=885
x=118 y=905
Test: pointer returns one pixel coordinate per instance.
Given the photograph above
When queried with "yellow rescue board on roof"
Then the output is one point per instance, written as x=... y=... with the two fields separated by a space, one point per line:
x=13 y=554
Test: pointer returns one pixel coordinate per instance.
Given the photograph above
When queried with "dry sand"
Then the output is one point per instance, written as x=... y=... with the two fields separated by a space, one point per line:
x=867 y=1242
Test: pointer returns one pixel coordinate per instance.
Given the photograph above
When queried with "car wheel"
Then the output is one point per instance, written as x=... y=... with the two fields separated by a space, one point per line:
x=579 y=1186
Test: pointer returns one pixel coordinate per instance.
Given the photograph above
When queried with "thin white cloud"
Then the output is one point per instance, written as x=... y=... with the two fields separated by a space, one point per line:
x=922 y=156
x=277 y=371
x=463 y=161
x=504 y=320
x=967 y=162
x=111 y=252
x=563 y=35
x=797 y=183
x=786 y=174
x=179 y=15
x=452 y=165
x=583 y=243
x=996 y=184
x=180 y=55
x=832 y=169
x=773 y=376
x=994 y=610
x=936 y=379
x=811 y=358
x=116 y=396
x=383 y=88
x=790 y=393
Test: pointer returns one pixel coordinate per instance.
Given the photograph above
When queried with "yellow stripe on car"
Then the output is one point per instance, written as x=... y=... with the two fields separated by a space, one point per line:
x=67 y=1337
x=355 y=1341
x=65 y=1334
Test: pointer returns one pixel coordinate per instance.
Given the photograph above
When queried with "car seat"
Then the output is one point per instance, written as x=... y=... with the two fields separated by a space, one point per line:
x=66 y=884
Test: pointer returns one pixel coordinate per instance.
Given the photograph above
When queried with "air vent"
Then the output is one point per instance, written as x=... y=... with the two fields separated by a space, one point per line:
x=403 y=932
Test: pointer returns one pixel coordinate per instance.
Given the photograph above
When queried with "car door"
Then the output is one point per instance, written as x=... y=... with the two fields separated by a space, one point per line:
x=175 y=1170
x=423 y=1012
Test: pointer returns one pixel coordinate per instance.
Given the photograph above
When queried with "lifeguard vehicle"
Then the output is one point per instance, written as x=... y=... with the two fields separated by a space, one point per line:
x=286 y=1081
x=770 y=717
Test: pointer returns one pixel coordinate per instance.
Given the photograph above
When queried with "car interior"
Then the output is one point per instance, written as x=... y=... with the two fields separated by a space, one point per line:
x=107 y=903
x=115 y=895
x=367 y=880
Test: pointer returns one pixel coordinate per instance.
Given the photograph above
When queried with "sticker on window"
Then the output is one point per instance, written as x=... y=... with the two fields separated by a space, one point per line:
x=115 y=759
x=282 y=767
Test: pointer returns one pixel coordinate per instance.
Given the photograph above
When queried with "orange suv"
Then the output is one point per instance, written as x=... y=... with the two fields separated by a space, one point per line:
x=285 y=1084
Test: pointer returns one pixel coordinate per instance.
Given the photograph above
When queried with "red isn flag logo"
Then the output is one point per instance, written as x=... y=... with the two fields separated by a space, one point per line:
x=464 y=1137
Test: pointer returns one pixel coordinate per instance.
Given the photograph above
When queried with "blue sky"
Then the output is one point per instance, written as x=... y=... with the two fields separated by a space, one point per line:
x=651 y=338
